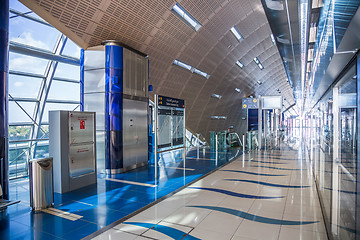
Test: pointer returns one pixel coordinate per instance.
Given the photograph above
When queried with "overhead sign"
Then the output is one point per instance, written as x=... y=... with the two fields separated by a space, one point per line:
x=272 y=102
x=171 y=102
x=250 y=103
x=348 y=100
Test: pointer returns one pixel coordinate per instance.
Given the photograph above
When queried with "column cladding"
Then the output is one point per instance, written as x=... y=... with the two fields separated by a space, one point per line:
x=114 y=108
x=4 y=60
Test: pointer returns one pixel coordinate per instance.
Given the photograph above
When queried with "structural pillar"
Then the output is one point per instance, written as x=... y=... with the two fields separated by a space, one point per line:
x=113 y=107
x=4 y=57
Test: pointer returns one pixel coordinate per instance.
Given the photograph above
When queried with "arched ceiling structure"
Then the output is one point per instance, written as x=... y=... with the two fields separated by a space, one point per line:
x=151 y=27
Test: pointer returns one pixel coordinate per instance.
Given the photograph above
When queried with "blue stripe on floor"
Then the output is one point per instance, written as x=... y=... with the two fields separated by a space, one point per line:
x=266 y=184
x=234 y=194
x=253 y=173
x=255 y=218
x=347 y=229
x=278 y=168
x=266 y=162
x=342 y=191
x=169 y=231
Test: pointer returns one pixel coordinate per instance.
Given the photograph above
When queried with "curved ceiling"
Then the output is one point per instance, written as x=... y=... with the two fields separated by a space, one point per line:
x=151 y=27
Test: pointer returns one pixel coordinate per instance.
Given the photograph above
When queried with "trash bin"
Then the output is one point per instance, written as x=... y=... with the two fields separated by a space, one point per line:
x=41 y=183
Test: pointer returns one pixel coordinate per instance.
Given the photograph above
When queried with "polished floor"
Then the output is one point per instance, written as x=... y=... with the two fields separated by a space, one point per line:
x=82 y=212
x=260 y=195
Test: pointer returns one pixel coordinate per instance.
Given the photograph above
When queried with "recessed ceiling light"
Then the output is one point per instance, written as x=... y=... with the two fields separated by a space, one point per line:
x=191 y=68
x=273 y=39
x=183 y=65
x=201 y=73
x=219 y=117
x=236 y=33
x=214 y=95
x=239 y=64
x=186 y=17
x=257 y=61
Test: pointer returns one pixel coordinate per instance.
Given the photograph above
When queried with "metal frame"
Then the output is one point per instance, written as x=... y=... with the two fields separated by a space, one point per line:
x=54 y=57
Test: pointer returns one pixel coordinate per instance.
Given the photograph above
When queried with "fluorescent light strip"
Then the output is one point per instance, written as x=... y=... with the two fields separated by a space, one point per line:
x=191 y=68
x=183 y=65
x=273 y=39
x=186 y=17
x=201 y=73
x=237 y=34
x=214 y=95
x=259 y=82
x=219 y=117
x=239 y=64
x=238 y=90
x=257 y=61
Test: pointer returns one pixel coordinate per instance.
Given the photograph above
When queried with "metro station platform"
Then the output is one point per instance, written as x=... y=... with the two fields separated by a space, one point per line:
x=260 y=195
x=82 y=212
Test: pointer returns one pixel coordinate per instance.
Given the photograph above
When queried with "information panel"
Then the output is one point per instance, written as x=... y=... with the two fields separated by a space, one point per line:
x=250 y=103
x=171 y=123
x=271 y=102
x=171 y=102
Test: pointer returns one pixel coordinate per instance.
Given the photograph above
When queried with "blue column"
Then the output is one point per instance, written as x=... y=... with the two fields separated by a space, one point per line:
x=114 y=107
x=358 y=149
x=82 y=79
x=4 y=57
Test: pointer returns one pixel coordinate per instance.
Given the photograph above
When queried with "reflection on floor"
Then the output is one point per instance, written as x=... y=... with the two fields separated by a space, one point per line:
x=82 y=212
x=250 y=198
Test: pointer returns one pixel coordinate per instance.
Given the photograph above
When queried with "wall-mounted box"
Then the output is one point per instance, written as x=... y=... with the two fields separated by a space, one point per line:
x=73 y=148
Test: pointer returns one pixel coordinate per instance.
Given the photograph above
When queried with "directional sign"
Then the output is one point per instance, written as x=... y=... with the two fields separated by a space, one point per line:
x=171 y=102
x=250 y=103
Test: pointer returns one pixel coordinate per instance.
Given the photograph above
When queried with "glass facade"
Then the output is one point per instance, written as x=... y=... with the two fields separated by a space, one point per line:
x=36 y=85
x=333 y=150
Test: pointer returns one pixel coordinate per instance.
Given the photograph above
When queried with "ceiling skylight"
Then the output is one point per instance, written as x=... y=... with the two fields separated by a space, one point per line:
x=257 y=61
x=214 y=95
x=186 y=17
x=239 y=64
x=273 y=39
x=191 y=68
x=183 y=65
x=237 y=34
x=201 y=73
x=219 y=117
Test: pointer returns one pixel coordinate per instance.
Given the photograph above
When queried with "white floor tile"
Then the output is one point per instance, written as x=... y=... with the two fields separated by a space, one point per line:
x=133 y=228
x=209 y=235
x=151 y=233
x=157 y=213
x=317 y=227
x=257 y=230
x=296 y=234
x=115 y=234
x=221 y=223
x=242 y=204
x=188 y=216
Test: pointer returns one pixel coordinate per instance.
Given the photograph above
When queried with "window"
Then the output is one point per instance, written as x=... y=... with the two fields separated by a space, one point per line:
x=186 y=17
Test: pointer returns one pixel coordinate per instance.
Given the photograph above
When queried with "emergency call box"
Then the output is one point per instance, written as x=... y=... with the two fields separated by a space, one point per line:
x=72 y=145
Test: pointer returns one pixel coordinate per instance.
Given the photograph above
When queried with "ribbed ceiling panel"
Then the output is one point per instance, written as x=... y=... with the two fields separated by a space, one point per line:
x=150 y=26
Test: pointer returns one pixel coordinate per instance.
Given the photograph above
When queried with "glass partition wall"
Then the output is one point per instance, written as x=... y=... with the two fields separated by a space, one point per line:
x=333 y=151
